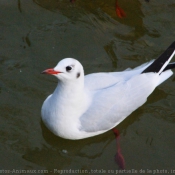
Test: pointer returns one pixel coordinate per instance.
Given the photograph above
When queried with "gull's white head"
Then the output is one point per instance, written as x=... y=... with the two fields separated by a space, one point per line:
x=67 y=69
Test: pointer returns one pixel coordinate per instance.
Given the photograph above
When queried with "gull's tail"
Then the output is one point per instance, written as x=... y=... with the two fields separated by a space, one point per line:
x=162 y=62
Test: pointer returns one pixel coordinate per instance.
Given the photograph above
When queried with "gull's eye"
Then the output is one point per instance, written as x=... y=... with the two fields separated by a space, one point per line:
x=68 y=68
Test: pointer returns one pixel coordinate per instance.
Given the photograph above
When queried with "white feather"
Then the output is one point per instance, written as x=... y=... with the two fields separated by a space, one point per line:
x=84 y=106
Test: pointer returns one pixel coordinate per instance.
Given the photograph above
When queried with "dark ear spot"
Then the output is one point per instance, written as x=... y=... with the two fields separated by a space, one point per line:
x=78 y=74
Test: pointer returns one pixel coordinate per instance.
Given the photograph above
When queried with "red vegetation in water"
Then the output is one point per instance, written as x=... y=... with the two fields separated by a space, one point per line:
x=120 y=12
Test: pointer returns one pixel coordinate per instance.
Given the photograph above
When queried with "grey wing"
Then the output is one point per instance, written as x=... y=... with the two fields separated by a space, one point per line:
x=112 y=105
x=97 y=81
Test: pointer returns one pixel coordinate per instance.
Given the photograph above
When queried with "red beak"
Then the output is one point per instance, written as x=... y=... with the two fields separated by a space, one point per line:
x=50 y=71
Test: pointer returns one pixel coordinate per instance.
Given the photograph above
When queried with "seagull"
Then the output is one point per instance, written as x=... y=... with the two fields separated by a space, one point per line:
x=83 y=106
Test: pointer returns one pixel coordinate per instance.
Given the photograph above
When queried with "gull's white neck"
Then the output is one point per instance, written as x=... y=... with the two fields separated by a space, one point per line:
x=68 y=97
x=68 y=91
x=65 y=106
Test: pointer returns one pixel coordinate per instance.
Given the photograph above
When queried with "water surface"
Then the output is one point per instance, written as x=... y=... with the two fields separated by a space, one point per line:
x=35 y=35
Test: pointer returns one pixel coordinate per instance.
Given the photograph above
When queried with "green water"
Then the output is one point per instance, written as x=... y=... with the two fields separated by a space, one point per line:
x=34 y=36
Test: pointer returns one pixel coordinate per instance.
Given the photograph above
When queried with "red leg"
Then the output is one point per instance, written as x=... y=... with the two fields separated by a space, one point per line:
x=118 y=157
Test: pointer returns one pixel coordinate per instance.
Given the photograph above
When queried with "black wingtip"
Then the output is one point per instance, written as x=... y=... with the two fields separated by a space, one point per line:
x=160 y=61
x=170 y=66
